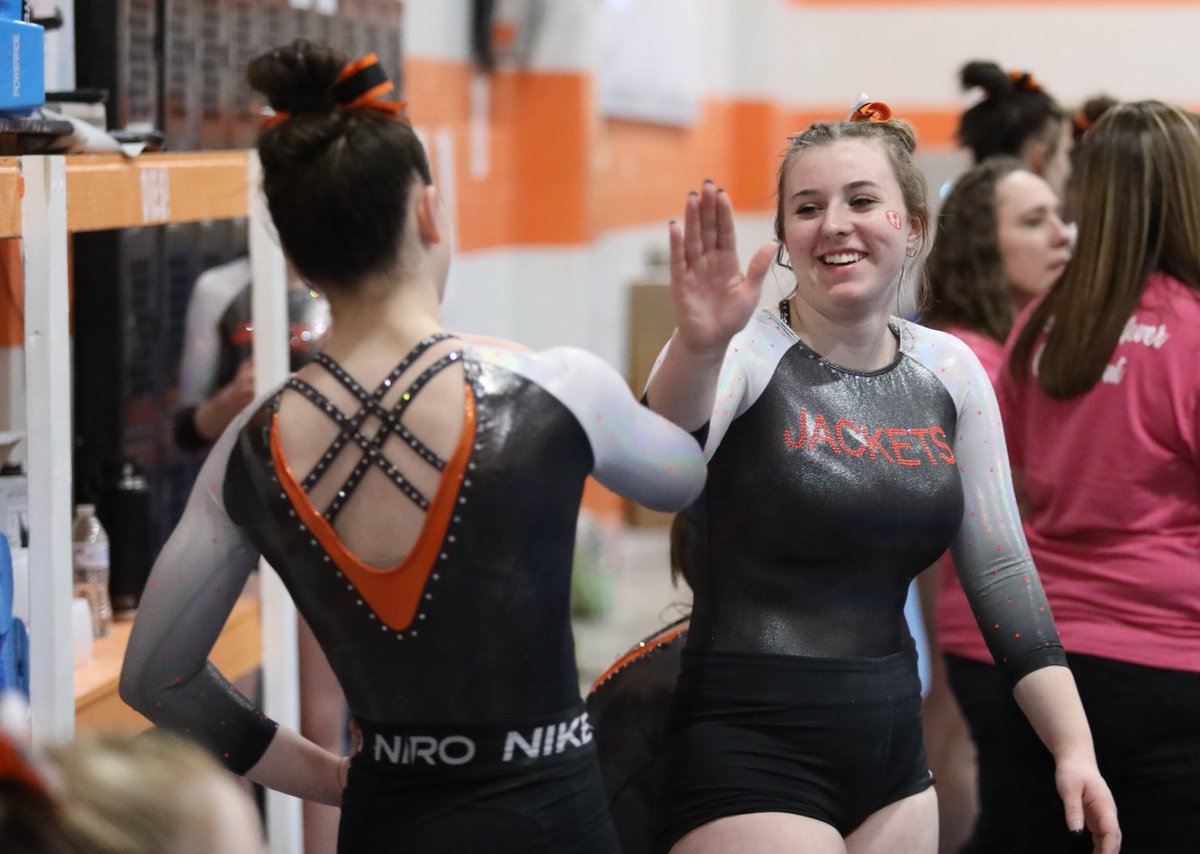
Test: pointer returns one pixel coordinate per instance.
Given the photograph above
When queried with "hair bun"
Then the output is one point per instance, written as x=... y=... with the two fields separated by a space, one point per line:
x=988 y=76
x=297 y=78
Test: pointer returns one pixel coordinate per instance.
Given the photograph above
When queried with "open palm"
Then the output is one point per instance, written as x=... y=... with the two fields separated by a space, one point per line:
x=713 y=298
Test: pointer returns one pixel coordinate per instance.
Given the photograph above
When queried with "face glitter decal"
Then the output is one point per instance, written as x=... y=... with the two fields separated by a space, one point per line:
x=894 y=219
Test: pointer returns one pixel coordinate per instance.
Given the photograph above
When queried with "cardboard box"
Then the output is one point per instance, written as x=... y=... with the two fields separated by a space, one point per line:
x=651 y=322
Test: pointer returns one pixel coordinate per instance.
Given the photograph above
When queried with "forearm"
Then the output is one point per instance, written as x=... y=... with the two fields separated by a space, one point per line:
x=295 y=766
x=684 y=386
x=212 y=416
x=1051 y=703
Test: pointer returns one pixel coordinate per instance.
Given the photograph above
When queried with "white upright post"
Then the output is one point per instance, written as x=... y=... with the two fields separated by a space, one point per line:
x=281 y=675
x=48 y=431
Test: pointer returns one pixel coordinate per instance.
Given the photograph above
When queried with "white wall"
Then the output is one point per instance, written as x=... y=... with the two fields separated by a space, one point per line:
x=799 y=57
x=825 y=54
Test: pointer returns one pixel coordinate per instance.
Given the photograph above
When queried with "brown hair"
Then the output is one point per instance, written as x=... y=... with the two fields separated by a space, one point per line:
x=968 y=285
x=138 y=795
x=1137 y=180
x=678 y=550
x=337 y=181
x=898 y=141
x=1089 y=113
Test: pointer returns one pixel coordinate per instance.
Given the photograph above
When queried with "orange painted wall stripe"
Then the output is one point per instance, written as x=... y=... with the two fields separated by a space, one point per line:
x=648 y=169
x=602 y=502
x=539 y=136
x=557 y=176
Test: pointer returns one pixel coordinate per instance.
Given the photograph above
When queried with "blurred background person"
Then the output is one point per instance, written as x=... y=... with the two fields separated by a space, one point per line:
x=114 y=794
x=1100 y=399
x=1016 y=117
x=151 y=794
x=216 y=373
x=628 y=706
x=1000 y=243
x=1088 y=114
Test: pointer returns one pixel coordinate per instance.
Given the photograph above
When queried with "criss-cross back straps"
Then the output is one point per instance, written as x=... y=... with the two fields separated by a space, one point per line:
x=371 y=406
x=350 y=427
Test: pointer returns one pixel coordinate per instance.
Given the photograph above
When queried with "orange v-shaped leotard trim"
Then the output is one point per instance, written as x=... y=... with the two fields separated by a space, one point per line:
x=393 y=593
x=647 y=646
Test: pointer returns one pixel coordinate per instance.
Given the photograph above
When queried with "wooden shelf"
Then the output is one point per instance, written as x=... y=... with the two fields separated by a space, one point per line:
x=99 y=707
x=12 y=188
x=106 y=191
x=110 y=191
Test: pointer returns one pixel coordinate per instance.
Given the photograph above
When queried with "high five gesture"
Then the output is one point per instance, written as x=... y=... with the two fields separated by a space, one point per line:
x=713 y=300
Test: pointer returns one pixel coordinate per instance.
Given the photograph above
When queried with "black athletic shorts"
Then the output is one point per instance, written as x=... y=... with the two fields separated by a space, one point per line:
x=831 y=739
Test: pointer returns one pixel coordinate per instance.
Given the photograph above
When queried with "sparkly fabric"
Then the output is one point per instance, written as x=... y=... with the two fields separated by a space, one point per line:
x=490 y=640
x=349 y=429
x=957 y=633
x=830 y=489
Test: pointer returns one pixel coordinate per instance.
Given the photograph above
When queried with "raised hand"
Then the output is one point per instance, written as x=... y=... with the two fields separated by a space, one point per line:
x=713 y=298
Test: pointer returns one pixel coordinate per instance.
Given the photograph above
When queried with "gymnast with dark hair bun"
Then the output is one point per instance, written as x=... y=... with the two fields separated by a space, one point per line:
x=417 y=491
x=1016 y=117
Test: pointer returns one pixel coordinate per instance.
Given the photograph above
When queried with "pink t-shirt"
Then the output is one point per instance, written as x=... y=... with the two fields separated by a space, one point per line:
x=957 y=631
x=1113 y=482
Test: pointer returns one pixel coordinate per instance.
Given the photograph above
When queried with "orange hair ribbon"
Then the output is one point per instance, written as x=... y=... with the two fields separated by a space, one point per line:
x=871 y=111
x=1025 y=81
x=360 y=85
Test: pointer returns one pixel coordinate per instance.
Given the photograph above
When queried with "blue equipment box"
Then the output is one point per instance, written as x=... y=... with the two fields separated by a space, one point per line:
x=22 y=64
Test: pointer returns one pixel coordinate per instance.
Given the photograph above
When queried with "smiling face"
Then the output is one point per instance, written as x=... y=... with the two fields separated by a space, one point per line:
x=1033 y=242
x=846 y=229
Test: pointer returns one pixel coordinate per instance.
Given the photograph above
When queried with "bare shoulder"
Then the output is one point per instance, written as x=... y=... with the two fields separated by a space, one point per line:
x=496 y=343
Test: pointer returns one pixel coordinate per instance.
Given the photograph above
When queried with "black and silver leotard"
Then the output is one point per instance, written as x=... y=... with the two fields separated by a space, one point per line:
x=460 y=659
x=830 y=489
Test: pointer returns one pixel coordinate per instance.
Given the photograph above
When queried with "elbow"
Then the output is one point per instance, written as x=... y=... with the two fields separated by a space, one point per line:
x=681 y=494
x=695 y=486
x=130 y=689
x=134 y=689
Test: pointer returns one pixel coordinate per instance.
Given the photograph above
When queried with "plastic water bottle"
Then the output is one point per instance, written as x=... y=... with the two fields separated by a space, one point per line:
x=90 y=560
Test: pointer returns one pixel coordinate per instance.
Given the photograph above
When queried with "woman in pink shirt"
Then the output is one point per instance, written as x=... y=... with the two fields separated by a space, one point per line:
x=1000 y=244
x=1101 y=402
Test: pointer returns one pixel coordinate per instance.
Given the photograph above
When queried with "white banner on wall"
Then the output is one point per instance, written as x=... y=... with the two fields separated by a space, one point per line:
x=649 y=56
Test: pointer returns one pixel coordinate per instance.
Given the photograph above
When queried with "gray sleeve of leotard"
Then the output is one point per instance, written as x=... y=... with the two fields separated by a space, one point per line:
x=191 y=591
x=990 y=552
x=636 y=453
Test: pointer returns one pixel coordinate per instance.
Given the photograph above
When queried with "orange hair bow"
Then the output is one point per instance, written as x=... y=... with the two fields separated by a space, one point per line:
x=870 y=111
x=360 y=85
x=1025 y=81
